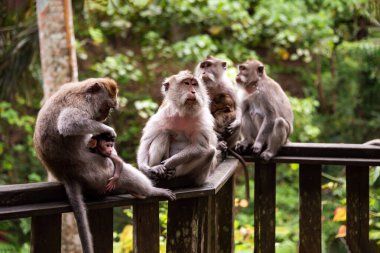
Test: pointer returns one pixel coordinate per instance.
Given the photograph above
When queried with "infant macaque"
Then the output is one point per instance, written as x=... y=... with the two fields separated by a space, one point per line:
x=103 y=144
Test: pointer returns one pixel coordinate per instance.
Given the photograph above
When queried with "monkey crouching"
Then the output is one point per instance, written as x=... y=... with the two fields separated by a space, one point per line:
x=63 y=127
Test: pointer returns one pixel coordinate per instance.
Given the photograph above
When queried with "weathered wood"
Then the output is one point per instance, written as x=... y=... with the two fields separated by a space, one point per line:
x=225 y=218
x=187 y=226
x=146 y=228
x=318 y=160
x=264 y=207
x=358 y=209
x=101 y=224
x=310 y=208
x=22 y=194
x=25 y=200
x=46 y=234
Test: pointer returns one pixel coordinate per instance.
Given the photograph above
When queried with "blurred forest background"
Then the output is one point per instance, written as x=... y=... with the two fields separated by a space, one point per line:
x=324 y=53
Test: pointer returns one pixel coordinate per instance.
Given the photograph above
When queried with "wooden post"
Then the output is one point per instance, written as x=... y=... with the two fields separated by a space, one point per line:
x=146 y=228
x=310 y=208
x=101 y=224
x=225 y=218
x=357 y=208
x=264 y=205
x=46 y=234
x=188 y=229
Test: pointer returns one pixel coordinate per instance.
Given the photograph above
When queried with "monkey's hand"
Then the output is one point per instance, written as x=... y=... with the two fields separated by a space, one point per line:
x=111 y=131
x=234 y=126
x=222 y=145
x=111 y=185
x=257 y=147
x=161 y=172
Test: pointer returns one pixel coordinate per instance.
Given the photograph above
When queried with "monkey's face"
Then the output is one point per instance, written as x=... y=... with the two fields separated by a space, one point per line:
x=185 y=92
x=212 y=69
x=105 y=147
x=249 y=74
x=101 y=94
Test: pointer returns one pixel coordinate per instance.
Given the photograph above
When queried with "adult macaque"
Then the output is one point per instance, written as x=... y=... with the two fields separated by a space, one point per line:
x=224 y=106
x=104 y=144
x=178 y=142
x=267 y=118
x=64 y=126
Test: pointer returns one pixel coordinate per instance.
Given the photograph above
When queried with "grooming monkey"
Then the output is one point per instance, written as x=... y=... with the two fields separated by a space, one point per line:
x=64 y=126
x=224 y=107
x=178 y=142
x=267 y=119
x=103 y=144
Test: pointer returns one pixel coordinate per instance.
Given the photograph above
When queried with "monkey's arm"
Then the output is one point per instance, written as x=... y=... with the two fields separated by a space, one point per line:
x=118 y=165
x=72 y=121
x=152 y=150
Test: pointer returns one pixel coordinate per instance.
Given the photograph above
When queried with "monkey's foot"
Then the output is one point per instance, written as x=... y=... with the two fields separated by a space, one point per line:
x=266 y=155
x=256 y=148
x=241 y=145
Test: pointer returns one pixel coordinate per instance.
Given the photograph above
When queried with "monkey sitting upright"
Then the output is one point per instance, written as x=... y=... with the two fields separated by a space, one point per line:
x=178 y=142
x=103 y=144
x=63 y=127
x=224 y=107
x=267 y=119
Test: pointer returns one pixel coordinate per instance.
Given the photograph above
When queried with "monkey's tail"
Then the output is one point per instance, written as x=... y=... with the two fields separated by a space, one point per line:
x=246 y=174
x=75 y=195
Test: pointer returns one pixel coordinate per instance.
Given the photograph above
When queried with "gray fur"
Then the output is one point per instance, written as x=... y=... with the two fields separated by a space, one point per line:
x=64 y=125
x=179 y=141
x=267 y=119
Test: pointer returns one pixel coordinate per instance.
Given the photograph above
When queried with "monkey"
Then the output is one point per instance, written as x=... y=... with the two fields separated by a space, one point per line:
x=267 y=119
x=178 y=144
x=224 y=107
x=103 y=144
x=63 y=128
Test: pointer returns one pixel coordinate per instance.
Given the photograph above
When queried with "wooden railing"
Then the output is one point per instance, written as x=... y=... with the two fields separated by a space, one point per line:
x=201 y=219
x=356 y=158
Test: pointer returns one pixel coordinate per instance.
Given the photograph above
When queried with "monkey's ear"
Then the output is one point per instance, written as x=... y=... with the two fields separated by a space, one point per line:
x=260 y=70
x=224 y=65
x=166 y=86
x=94 y=88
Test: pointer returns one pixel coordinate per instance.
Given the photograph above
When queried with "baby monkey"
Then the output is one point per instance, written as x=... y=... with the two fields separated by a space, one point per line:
x=104 y=144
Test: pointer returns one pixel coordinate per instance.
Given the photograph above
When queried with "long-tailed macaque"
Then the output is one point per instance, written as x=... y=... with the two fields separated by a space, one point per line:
x=103 y=144
x=64 y=126
x=267 y=118
x=224 y=106
x=178 y=142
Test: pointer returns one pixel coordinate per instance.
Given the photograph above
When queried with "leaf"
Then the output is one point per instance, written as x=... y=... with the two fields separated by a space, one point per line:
x=341 y=231
x=340 y=214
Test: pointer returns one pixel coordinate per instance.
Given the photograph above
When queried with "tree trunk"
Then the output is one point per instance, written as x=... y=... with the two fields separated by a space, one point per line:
x=59 y=66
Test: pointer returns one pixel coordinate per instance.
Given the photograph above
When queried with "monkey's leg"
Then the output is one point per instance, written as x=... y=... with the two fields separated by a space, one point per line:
x=276 y=140
x=263 y=135
x=248 y=130
x=198 y=169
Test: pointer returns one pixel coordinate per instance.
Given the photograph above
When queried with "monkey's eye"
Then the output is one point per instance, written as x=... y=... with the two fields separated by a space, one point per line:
x=202 y=65
x=242 y=68
x=186 y=82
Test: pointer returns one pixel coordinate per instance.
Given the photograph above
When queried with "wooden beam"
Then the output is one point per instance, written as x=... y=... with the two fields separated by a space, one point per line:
x=264 y=207
x=310 y=208
x=357 y=208
x=146 y=228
